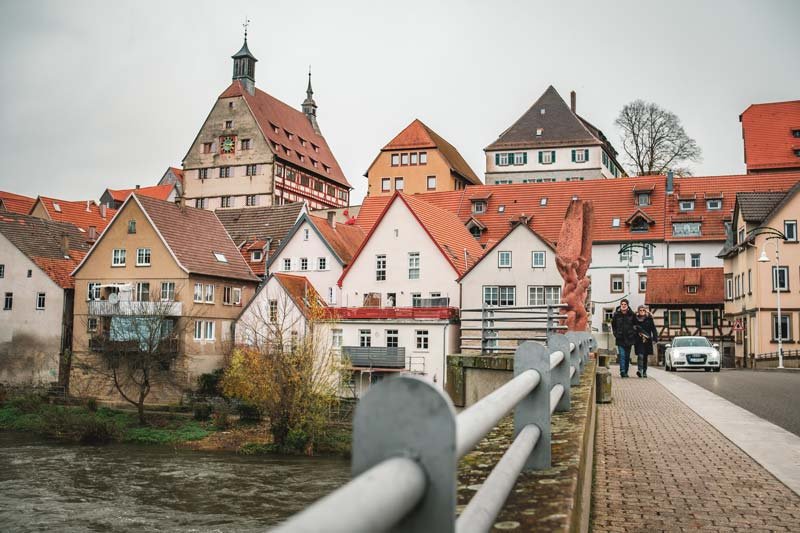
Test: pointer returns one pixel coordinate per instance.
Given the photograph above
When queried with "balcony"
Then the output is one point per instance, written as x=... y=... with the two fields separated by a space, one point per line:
x=103 y=344
x=375 y=357
x=130 y=308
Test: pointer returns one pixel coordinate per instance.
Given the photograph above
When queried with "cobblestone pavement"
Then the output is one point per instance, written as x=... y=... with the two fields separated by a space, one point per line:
x=660 y=467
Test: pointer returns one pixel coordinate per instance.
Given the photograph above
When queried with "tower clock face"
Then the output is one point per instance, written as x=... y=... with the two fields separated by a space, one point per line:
x=227 y=145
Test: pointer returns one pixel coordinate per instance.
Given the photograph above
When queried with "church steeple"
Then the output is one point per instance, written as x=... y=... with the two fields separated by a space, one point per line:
x=244 y=65
x=310 y=106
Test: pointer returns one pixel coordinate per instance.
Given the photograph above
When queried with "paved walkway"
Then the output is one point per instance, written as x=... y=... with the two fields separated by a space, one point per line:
x=659 y=466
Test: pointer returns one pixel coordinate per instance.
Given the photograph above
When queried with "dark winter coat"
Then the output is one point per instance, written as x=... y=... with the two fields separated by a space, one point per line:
x=645 y=328
x=622 y=326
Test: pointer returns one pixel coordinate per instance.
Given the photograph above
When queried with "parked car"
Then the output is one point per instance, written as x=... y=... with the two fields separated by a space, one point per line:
x=692 y=352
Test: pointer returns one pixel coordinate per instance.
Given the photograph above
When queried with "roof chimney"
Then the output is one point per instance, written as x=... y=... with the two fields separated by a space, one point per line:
x=137 y=186
x=181 y=201
x=332 y=219
x=65 y=244
x=92 y=233
x=103 y=210
x=572 y=100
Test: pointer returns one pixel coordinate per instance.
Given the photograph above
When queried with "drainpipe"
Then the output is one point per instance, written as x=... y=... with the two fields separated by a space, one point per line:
x=444 y=352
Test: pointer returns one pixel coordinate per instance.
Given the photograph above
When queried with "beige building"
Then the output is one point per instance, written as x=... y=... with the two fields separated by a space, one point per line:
x=255 y=150
x=751 y=286
x=150 y=262
x=418 y=160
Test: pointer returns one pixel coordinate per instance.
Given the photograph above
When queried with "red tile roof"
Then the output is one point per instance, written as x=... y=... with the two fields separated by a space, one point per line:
x=83 y=214
x=268 y=112
x=301 y=291
x=612 y=199
x=668 y=286
x=160 y=192
x=767 y=131
x=41 y=241
x=16 y=203
x=713 y=227
x=345 y=239
x=419 y=136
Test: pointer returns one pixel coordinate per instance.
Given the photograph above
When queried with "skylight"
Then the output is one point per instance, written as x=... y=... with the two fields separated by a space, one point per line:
x=543 y=201
x=220 y=257
x=501 y=208
x=56 y=207
x=614 y=222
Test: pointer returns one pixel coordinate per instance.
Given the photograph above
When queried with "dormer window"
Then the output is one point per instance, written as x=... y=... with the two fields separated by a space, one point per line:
x=686 y=205
x=640 y=224
x=302 y=141
x=256 y=255
x=714 y=204
x=796 y=133
x=539 y=132
x=479 y=206
x=643 y=198
x=691 y=289
x=275 y=128
x=289 y=135
x=475 y=231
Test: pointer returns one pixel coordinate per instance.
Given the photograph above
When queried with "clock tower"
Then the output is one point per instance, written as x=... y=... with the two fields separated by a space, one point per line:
x=244 y=67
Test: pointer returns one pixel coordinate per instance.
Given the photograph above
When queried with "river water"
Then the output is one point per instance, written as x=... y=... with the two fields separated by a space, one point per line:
x=49 y=486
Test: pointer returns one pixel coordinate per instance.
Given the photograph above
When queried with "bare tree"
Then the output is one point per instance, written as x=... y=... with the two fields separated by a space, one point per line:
x=654 y=140
x=137 y=345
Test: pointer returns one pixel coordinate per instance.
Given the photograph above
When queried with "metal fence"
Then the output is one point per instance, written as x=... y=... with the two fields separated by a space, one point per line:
x=407 y=440
x=500 y=329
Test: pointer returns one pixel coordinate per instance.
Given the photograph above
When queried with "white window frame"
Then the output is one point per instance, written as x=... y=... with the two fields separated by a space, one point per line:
x=694 y=258
x=643 y=199
x=198 y=330
x=322 y=263
x=422 y=340
x=386 y=184
x=547 y=157
x=395 y=160
x=336 y=339
x=714 y=204
x=227 y=295
x=118 y=257
x=686 y=205
x=785 y=318
x=431 y=179
x=237 y=296
x=198 y=293
x=209 y=293
x=380 y=267
x=303 y=264
x=143 y=257
x=140 y=292
x=256 y=256
x=414 y=269
x=621 y=279
x=503 y=159
x=93 y=291
x=729 y=288
x=41 y=300
x=423 y=158
x=776 y=278
x=287 y=264
x=535 y=255
x=392 y=334
x=209 y=327
x=491 y=296
x=365 y=338
x=503 y=299
x=642 y=282
x=790 y=230
x=504 y=259
x=170 y=291
x=580 y=156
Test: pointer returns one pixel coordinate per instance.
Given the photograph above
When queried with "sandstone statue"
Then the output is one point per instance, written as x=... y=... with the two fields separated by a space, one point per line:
x=573 y=257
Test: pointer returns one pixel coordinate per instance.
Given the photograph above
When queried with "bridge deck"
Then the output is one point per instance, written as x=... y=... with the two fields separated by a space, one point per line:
x=661 y=467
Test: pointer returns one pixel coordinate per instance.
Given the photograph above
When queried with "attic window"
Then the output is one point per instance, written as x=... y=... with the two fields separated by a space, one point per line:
x=501 y=209
x=614 y=222
x=131 y=226
x=714 y=204
x=302 y=141
x=574 y=197
x=475 y=231
x=542 y=111
x=56 y=207
x=543 y=201
x=479 y=207
x=315 y=147
x=290 y=135
x=640 y=224
x=255 y=256
x=220 y=257
x=300 y=156
x=686 y=205
x=274 y=127
x=539 y=131
x=796 y=133
x=691 y=289
x=326 y=167
x=643 y=198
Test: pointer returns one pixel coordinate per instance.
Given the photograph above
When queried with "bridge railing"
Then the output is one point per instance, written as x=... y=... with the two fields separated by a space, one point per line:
x=407 y=440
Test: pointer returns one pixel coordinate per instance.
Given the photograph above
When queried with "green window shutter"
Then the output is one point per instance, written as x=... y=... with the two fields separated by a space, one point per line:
x=714 y=318
x=524 y=158
x=497 y=159
x=553 y=156
x=540 y=157
x=573 y=156
x=697 y=319
x=683 y=319
x=586 y=155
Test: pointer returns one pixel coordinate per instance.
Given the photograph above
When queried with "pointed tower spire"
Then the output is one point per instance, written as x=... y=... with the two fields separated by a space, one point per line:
x=244 y=65
x=310 y=106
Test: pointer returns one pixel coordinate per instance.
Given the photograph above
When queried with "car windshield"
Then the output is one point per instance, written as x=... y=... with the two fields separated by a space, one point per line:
x=691 y=342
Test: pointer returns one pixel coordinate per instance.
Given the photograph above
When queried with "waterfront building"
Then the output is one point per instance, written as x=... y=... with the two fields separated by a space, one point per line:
x=254 y=150
x=550 y=142
x=418 y=160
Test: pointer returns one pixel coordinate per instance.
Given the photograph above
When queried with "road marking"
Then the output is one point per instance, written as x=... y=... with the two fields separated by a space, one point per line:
x=771 y=446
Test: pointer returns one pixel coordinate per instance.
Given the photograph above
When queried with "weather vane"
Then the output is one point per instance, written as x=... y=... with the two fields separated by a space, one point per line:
x=246 y=23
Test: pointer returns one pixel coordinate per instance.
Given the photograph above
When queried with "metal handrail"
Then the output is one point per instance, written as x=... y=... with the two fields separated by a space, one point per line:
x=407 y=481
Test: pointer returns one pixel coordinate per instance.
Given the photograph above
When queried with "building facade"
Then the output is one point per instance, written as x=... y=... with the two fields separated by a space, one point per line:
x=549 y=143
x=254 y=150
x=771 y=135
x=418 y=160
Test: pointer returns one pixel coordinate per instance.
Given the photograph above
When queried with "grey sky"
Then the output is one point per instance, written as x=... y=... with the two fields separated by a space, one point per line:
x=108 y=94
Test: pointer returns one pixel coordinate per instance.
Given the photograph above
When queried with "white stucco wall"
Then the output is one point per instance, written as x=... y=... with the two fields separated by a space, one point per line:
x=30 y=338
x=397 y=234
x=253 y=326
x=562 y=168
x=324 y=281
x=521 y=243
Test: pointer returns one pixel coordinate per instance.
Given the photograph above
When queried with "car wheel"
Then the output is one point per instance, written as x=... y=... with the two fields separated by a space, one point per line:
x=717 y=369
x=707 y=369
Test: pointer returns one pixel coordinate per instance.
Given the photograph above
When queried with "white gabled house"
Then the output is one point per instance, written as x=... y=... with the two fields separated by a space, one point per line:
x=519 y=270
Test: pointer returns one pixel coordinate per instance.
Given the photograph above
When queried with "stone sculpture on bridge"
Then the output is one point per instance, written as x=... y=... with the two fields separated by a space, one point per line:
x=573 y=257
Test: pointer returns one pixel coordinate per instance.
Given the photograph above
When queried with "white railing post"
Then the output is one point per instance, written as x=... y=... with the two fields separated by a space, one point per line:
x=535 y=407
x=407 y=416
x=560 y=374
x=576 y=356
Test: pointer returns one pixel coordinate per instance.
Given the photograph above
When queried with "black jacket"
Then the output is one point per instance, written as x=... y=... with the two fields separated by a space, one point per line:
x=622 y=326
x=645 y=328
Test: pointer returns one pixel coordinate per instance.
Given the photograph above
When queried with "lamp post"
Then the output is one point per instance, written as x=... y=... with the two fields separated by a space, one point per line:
x=628 y=249
x=773 y=234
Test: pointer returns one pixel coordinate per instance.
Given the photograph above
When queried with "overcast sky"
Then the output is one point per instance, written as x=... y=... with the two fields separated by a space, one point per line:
x=108 y=94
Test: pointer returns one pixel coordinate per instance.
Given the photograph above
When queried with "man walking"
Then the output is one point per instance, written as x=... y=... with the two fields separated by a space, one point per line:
x=624 y=333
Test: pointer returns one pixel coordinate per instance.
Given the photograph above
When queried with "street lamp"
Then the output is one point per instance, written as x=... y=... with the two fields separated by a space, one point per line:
x=773 y=234
x=628 y=249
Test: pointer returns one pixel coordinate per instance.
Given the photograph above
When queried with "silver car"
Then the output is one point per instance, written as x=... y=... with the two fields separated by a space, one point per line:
x=692 y=352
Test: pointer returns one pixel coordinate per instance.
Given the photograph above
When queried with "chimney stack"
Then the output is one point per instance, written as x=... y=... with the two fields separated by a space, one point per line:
x=103 y=209
x=137 y=186
x=181 y=201
x=92 y=233
x=332 y=219
x=65 y=244
x=572 y=100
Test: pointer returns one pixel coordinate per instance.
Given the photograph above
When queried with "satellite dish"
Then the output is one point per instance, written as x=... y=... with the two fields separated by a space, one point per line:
x=113 y=299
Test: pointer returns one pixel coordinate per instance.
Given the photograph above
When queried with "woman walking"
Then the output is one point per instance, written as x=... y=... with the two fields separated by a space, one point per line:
x=646 y=335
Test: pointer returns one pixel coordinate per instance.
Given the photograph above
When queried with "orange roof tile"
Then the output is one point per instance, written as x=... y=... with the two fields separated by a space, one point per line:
x=301 y=291
x=16 y=203
x=768 y=140
x=345 y=239
x=269 y=111
x=668 y=286
x=159 y=192
x=83 y=214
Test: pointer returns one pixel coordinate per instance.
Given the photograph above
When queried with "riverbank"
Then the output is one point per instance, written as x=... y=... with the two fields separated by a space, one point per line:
x=89 y=425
